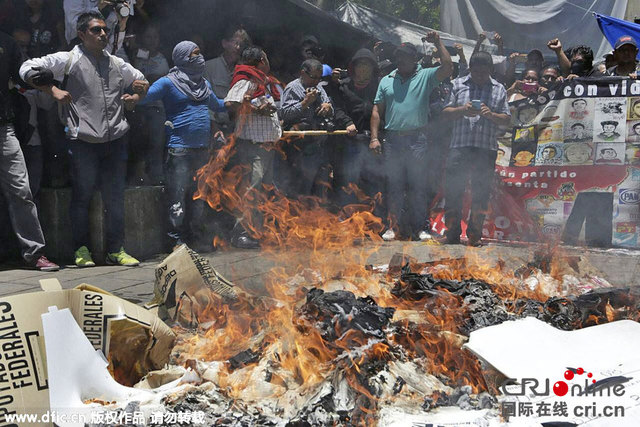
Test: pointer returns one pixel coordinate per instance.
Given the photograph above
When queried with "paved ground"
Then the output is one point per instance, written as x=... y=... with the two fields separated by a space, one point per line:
x=247 y=267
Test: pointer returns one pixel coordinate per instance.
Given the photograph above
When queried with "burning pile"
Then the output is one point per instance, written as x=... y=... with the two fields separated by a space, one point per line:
x=335 y=349
x=335 y=342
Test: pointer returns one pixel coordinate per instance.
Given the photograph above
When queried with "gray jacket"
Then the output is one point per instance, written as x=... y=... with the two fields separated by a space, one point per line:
x=96 y=113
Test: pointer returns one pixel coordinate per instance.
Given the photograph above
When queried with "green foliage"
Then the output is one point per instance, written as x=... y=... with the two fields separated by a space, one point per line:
x=421 y=12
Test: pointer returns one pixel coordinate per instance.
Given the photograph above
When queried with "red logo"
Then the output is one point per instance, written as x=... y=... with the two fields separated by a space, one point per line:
x=561 y=388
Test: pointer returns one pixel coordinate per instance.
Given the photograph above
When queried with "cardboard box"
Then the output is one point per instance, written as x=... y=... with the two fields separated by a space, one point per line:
x=134 y=339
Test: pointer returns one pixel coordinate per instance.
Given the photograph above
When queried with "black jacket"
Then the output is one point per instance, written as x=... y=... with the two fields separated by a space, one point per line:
x=356 y=103
x=10 y=61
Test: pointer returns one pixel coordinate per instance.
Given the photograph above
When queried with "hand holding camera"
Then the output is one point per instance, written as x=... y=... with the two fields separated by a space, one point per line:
x=311 y=94
x=120 y=6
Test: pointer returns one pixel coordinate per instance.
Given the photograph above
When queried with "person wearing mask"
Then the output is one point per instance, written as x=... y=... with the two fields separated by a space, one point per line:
x=14 y=179
x=574 y=62
x=402 y=101
x=306 y=106
x=252 y=99
x=92 y=100
x=153 y=65
x=526 y=87
x=473 y=151
x=187 y=97
x=624 y=55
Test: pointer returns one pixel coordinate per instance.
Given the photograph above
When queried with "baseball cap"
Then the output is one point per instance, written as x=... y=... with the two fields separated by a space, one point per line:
x=625 y=40
x=406 y=48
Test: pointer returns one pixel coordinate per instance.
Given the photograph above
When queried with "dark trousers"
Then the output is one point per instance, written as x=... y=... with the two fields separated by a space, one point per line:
x=185 y=214
x=102 y=165
x=305 y=171
x=405 y=156
x=355 y=163
x=596 y=211
x=474 y=167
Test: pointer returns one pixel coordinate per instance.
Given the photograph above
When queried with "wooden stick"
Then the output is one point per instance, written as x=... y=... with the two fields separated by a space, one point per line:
x=313 y=132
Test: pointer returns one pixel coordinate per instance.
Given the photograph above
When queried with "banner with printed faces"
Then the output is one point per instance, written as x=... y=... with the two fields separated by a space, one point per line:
x=571 y=160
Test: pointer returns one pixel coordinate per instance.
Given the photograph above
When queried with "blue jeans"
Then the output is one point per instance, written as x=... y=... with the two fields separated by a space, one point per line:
x=184 y=212
x=105 y=166
x=405 y=158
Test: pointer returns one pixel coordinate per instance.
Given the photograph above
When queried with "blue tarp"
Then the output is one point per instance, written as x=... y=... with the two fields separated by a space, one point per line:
x=614 y=28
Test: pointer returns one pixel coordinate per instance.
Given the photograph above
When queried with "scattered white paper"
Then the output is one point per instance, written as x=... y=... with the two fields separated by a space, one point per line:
x=530 y=348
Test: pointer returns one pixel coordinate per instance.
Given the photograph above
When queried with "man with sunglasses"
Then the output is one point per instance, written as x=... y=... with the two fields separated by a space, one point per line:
x=306 y=106
x=92 y=98
x=402 y=102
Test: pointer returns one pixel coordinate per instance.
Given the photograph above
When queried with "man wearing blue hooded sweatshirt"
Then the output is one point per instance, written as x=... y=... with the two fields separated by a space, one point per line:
x=187 y=97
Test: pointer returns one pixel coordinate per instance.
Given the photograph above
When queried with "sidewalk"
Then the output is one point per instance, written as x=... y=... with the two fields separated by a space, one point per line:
x=248 y=267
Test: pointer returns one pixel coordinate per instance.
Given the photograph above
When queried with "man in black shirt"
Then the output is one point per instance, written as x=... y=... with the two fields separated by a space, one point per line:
x=353 y=162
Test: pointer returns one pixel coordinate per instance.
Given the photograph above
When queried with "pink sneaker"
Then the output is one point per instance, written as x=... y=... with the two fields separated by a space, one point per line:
x=43 y=264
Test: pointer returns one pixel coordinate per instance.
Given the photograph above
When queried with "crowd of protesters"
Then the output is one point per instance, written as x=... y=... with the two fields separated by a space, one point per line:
x=115 y=112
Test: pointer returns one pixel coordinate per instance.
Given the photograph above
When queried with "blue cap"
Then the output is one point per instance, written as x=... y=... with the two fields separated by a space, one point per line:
x=326 y=70
x=625 y=40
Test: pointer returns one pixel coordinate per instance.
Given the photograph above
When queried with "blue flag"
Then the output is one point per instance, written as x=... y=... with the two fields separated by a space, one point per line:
x=614 y=28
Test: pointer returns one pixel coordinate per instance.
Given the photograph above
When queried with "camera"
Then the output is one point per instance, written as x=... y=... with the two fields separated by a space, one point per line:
x=326 y=123
x=121 y=7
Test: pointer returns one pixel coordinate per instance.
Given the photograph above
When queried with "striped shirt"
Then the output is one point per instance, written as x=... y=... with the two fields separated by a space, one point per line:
x=477 y=131
x=291 y=111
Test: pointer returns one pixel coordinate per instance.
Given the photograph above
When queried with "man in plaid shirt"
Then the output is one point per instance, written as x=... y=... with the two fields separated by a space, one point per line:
x=474 y=144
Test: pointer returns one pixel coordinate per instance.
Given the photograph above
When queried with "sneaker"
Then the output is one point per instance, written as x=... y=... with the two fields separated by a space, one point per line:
x=121 y=258
x=43 y=264
x=389 y=235
x=83 y=257
x=425 y=235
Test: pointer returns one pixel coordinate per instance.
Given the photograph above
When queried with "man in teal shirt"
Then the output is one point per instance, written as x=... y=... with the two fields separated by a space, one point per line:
x=402 y=101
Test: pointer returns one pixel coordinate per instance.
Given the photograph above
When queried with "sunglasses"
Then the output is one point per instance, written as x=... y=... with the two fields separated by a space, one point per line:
x=98 y=30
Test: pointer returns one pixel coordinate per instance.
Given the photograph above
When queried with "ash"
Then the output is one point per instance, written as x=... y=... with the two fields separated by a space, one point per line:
x=393 y=355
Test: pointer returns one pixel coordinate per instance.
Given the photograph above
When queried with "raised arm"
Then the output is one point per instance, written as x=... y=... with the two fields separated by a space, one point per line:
x=564 y=62
x=446 y=66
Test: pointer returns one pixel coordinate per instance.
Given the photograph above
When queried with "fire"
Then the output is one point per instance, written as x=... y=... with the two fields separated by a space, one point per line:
x=313 y=246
